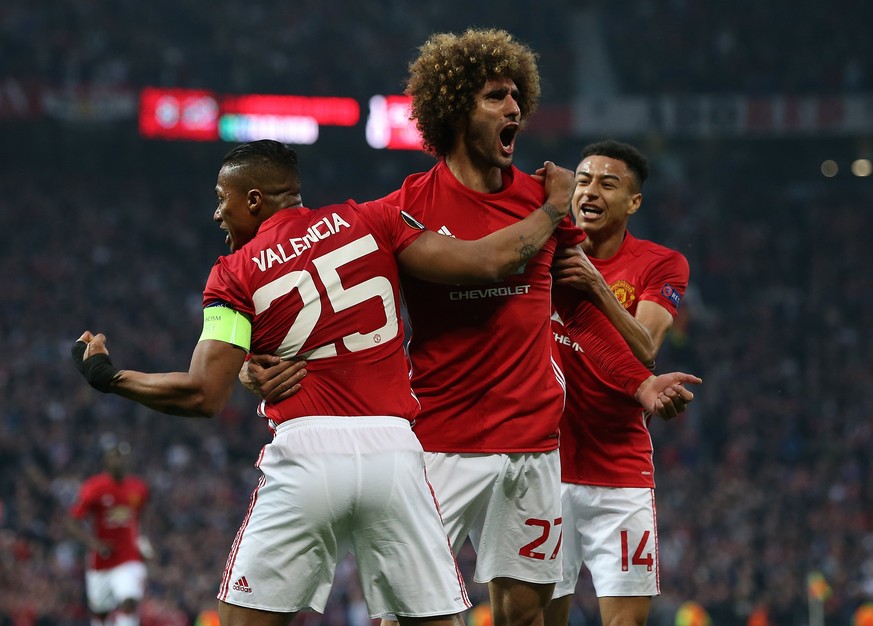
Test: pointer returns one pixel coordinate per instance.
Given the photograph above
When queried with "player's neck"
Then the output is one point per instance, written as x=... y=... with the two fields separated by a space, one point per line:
x=603 y=247
x=473 y=176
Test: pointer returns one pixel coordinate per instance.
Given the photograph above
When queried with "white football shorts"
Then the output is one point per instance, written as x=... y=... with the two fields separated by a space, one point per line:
x=510 y=507
x=107 y=588
x=612 y=531
x=331 y=485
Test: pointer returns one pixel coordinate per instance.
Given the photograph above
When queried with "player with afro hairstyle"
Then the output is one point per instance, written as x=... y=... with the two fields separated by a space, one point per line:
x=451 y=69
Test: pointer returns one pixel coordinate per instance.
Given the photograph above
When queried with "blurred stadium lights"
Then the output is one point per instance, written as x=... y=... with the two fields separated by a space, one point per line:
x=829 y=168
x=862 y=167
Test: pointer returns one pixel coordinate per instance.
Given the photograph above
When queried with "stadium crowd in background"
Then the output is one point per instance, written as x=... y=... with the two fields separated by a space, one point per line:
x=677 y=47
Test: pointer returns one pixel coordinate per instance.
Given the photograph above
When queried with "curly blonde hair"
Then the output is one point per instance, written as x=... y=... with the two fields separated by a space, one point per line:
x=451 y=69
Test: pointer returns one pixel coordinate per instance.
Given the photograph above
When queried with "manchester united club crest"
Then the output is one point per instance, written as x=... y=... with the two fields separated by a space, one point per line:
x=624 y=292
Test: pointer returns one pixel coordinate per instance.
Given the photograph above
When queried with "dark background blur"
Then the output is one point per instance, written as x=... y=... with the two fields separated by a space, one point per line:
x=767 y=478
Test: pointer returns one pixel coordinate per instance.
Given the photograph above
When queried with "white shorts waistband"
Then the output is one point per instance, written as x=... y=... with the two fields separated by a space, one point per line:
x=341 y=421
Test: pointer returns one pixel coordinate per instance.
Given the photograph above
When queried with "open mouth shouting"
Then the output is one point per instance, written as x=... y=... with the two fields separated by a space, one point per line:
x=507 y=137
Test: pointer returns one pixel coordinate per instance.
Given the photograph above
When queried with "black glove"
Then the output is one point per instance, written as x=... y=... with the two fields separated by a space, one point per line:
x=97 y=370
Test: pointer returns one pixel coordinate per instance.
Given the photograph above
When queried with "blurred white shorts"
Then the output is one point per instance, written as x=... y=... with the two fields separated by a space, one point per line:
x=107 y=588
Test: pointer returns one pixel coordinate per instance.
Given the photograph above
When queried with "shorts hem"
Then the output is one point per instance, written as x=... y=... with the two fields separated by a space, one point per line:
x=626 y=593
x=550 y=581
x=391 y=616
x=562 y=594
x=269 y=609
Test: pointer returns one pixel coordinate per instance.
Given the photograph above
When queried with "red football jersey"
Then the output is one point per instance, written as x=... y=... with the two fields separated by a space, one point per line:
x=114 y=509
x=604 y=434
x=482 y=364
x=323 y=284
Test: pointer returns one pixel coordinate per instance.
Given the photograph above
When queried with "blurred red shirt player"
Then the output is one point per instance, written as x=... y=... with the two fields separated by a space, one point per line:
x=112 y=503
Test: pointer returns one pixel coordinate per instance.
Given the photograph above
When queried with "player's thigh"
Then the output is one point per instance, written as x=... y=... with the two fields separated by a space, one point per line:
x=232 y=615
x=558 y=611
x=452 y=620
x=624 y=610
x=620 y=545
x=518 y=602
x=404 y=556
x=518 y=535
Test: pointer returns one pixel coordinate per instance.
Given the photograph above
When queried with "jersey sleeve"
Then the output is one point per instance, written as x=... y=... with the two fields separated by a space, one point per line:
x=398 y=227
x=667 y=282
x=223 y=286
x=593 y=331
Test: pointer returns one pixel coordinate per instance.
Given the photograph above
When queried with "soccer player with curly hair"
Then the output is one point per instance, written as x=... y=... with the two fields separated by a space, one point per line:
x=446 y=78
x=481 y=358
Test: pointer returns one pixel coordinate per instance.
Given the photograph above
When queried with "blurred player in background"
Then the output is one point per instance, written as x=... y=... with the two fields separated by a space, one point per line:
x=344 y=470
x=106 y=518
x=607 y=474
x=481 y=357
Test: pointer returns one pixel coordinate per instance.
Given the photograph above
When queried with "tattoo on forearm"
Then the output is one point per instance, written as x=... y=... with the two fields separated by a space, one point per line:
x=527 y=248
x=554 y=214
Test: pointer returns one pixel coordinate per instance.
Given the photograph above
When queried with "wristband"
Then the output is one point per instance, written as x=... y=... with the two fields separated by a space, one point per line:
x=97 y=370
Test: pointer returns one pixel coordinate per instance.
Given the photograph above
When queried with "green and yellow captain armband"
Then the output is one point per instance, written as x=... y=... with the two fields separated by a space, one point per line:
x=224 y=324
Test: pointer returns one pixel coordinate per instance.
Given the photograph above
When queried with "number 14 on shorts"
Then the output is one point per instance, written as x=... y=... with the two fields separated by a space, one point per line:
x=640 y=556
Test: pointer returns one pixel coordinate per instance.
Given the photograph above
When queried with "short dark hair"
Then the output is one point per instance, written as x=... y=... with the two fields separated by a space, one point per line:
x=263 y=152
x=263 y=160
x=632 y=157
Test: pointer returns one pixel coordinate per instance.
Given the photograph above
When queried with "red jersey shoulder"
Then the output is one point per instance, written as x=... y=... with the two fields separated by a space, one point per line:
x=397 y=227
x=645 y=270
x=659 y=252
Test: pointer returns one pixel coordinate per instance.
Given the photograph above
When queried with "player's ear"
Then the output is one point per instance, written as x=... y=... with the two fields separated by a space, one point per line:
x=635 y=202
x=254 y=200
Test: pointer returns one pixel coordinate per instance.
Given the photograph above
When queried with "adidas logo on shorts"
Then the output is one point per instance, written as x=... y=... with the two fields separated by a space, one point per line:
x=242 y=585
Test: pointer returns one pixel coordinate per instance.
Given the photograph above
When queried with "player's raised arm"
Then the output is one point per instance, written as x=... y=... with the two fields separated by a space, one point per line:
x=202 y=391
x=437 y=258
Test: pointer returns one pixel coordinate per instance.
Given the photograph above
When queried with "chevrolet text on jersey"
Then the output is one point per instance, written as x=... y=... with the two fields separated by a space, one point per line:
x=324 y=228
x=491 y=292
